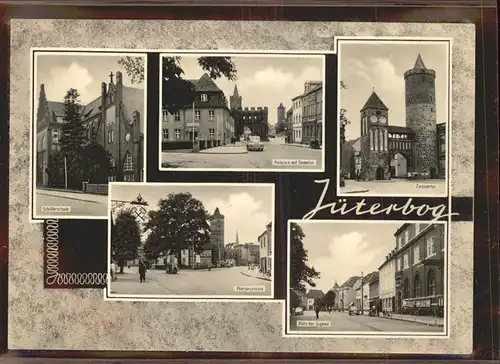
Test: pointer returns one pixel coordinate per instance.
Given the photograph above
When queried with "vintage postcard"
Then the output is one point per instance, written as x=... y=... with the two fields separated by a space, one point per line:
x=243 y=147
x=88 y=127
x=248 y=112
x=204 y=241
x=394 y=100
x=370 y=278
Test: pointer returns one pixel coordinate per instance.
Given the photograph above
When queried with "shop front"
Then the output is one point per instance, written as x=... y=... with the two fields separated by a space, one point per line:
x=424 y=306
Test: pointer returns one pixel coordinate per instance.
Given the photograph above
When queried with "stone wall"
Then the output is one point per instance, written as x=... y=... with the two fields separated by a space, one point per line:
x=371 y=160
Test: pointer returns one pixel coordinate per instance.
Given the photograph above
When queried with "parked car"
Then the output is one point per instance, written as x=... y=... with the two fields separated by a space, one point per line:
x=314 y=144
x=254 y=144
x=298 y=311
x=353 y=310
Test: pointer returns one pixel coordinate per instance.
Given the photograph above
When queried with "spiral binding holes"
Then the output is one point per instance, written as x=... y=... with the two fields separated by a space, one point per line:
x=53 y=276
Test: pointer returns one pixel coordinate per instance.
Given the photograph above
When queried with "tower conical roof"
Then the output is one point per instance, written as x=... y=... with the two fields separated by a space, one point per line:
x=237 y=237
x=235 y=92
x=374 y=102
x=419 y=63
x=217 y=213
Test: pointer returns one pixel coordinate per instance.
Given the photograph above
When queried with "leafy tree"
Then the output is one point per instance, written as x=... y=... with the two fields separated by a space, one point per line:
x=180 y=222
x=343 y=112
x=134 y=66
x=178 y=92
x=329 y=299
x=280 y=127
x=125 y=238
x=300 y=273
x=295 y=300
x=74 y=134
x=55 y=170
x=96 y=162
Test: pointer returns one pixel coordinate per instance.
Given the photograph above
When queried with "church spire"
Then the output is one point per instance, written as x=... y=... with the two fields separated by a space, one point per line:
x=237 y=238
x=235 y=92
x=419 y=63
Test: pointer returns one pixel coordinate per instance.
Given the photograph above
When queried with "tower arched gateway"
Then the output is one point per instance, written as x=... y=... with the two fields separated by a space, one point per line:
x=389 y=151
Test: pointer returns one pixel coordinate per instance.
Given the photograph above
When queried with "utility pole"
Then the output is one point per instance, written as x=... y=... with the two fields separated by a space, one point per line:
x=362 y=293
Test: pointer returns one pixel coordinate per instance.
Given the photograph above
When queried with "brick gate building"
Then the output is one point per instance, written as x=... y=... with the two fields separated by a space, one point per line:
x=389 y=151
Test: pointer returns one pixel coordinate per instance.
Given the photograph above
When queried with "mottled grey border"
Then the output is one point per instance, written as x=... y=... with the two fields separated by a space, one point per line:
x=80 y=319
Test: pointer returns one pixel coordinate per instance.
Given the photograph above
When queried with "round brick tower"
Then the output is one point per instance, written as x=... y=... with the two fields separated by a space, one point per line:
x=420 y=94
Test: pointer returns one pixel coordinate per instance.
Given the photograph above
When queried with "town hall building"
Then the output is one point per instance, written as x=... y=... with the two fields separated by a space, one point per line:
x=386 y=151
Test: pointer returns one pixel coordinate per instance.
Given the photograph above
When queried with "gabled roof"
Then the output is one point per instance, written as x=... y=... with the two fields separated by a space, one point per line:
x=315 y=293
x=355 y=144
x=133 y=100
x=374 y=102
x=56 y=107
x=91 y=108
x=205 y=84
x=369 y=277
x=350 y=282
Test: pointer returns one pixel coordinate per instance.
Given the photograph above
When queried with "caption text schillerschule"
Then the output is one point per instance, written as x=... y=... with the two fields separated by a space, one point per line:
x=361 y=208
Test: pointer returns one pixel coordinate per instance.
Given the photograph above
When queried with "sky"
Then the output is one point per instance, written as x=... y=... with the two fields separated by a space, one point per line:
x=247 y=209
x=381 y=66
x=264 y=81
x=60 y=72
x=339 y=250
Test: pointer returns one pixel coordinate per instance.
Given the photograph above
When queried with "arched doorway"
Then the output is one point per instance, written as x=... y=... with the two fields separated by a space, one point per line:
x=380 y=173
x=399 y=166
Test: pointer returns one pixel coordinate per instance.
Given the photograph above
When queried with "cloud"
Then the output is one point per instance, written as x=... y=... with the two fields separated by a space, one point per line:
x=243 y=213
x=378 y=72
x=63 y=78
x=349 y=254
x=274 y=79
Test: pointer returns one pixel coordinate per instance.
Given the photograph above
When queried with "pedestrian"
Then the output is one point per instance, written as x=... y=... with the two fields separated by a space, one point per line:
x=317 y=308
x=142 y=271
x=113 y=271
x=209 y=266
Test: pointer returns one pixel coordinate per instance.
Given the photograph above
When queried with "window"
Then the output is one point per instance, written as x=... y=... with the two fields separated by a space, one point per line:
x=406 y=288
x=211 y=114
x=110 y=136
x=416 y=286
x=416 y=254
x=60 y=119
x=430 y=246
x=165 y=115
x=128 y=164
x=407 y=235
x=442 y=146
x=211 y=133
x=204 y=97
x=177 y=116
x=398 y=265
x=406 y=261
x=165 y=134
x=431 y=283
x=442 y=164
x=55 y=136
x=197 y=115
x=177 y=134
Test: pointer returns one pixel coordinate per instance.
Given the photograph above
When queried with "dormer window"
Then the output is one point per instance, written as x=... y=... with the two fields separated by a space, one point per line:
x=204 y=97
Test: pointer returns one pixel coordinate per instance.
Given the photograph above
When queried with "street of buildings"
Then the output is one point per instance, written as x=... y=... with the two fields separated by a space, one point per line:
x=400 y=187
x=407 y=283
x=62 y=203
x=216 y=282
x=290 y=155
x=342 y=322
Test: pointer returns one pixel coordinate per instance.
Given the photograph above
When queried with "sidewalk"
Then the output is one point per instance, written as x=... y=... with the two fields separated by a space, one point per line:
x=427 y=320
x=73 y=195
x=298 y=145
x=353 y=187
x=238 y=148
x=256 y=274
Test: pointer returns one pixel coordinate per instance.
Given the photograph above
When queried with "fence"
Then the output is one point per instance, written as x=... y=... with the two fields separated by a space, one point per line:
x=97 y=189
